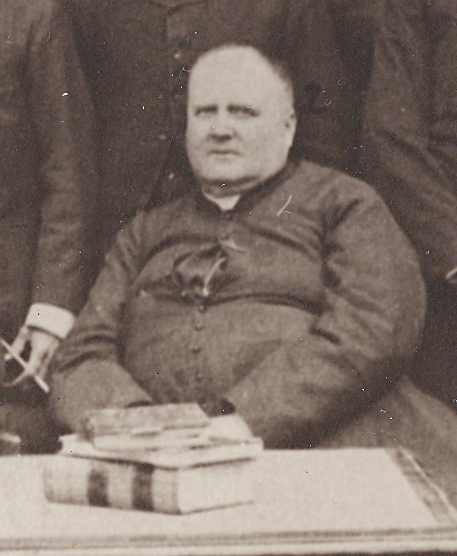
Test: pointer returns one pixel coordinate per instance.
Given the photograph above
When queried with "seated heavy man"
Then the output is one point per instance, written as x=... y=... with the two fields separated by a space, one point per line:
x=282 y=291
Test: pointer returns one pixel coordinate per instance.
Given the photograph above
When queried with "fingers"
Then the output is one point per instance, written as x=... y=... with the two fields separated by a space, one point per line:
x=18 y=346
x=38 y=360
x=229 y=427
x=43 y=346
x=26 y=375
x=18 y=380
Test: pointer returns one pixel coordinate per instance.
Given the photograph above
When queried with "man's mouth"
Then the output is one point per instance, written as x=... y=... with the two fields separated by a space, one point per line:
x=224 y=152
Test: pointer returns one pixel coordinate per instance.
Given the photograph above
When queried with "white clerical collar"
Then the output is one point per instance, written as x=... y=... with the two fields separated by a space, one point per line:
x=224 y=203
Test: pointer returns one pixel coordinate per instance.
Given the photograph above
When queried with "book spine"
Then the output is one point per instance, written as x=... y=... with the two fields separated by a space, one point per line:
x=72 y=480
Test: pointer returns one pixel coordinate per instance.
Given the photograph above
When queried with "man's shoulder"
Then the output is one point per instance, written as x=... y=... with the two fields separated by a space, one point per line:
x=312 y=180
x=158 y=218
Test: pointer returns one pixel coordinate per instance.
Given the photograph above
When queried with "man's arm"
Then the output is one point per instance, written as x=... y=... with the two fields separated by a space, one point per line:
x=86 y=372
x=356 y=349
x=61 y=116
x=410 y=138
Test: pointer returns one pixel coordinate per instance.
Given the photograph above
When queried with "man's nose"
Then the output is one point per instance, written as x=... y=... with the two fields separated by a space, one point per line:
x=222 y=128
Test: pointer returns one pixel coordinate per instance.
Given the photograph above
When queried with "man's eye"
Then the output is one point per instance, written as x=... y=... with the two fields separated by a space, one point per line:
x=205 y=110
x=243 y=111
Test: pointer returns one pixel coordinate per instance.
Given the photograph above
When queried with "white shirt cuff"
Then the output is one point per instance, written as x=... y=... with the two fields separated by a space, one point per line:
x=50 y=318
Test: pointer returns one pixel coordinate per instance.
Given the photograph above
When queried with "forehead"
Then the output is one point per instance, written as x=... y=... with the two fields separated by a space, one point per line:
x=237 y=74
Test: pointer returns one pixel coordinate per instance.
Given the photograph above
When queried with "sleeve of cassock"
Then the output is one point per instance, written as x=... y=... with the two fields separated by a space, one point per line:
x=87 y=372
x=361 y=342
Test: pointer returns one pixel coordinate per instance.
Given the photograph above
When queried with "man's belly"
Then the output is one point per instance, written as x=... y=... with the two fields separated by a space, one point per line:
x=180 y=352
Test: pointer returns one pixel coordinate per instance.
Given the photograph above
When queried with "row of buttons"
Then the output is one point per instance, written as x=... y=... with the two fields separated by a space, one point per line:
x=196 y=348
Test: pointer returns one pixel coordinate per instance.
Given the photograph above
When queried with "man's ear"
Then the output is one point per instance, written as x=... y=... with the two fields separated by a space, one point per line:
x=290 y=128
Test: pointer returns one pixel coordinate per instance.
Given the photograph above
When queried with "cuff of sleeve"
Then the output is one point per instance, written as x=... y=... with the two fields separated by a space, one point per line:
x=50 y=318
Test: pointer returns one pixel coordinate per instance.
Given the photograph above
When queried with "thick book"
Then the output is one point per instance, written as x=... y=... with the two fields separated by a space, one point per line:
x=176 y=485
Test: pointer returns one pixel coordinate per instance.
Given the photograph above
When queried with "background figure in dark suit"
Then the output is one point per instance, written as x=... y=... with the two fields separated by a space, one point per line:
x=137 y=55
x=406 y=74
x=46 y=179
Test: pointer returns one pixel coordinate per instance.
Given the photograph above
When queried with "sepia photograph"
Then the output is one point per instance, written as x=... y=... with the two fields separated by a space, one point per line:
x=228 y=277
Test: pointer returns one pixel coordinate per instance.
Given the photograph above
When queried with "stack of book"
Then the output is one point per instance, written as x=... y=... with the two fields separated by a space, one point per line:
x=168 y=458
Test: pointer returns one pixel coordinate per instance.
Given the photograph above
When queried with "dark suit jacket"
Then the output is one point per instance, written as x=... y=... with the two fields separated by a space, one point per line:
x=400 y=56
x=410 y=128
x=138 y=81
x=45 y=161
x=406 y=74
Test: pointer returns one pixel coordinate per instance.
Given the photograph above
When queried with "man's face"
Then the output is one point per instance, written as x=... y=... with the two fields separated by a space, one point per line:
x=240 y=120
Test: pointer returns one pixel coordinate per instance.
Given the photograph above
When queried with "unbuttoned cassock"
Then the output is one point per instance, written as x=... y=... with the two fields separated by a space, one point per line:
x=137 y=55
x=301 y=307
x=46 y=164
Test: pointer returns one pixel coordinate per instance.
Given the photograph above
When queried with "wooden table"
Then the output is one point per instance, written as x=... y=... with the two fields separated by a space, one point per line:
x=352 y=501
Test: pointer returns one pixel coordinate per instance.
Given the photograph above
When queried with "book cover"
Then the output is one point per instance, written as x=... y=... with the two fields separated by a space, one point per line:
x=168 y=438
x=172 y=457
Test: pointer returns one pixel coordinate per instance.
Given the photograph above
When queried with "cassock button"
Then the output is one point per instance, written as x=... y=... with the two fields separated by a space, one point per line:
x=197 y=320
x=162 y=136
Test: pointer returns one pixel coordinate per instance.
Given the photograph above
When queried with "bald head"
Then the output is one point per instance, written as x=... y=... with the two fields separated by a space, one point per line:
x=241 y=119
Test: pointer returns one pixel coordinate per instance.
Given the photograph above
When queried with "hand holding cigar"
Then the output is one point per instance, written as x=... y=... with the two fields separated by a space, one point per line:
x=27 y=373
